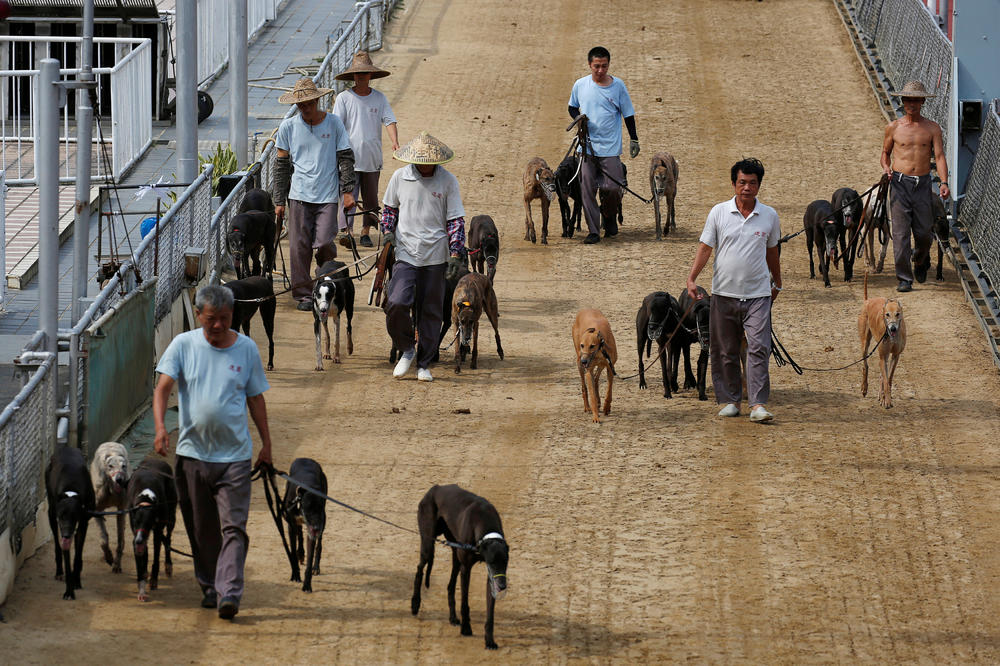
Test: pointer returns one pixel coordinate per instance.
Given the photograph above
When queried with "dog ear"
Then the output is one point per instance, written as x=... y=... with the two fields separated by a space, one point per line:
x=591 y=330
x=536 y=177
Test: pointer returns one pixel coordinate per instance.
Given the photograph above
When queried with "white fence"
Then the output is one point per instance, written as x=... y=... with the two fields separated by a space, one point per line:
x=125 y=83
x=213 y=32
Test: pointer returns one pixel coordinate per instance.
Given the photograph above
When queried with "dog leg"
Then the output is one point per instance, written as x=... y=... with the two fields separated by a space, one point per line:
x=881 y=256
x=670 y=204
x=595 y=398
x=426 y=558
x=545 y=220
x=116 y=567
x=664 y=371
x=809 y=247
x=154 y=575
x=311 y=549
x=466 y=619
x=319 y=353
x=54 y=528
x=656 y=214
x=326 y=339
x=493 y=313
x=583 y=385
x=168 y=562
x=455 y=567
x=490 y=607
x=336 y=344
x=611 y=383
x=888 y=384
x=866 y=336
x=529 y=224
x=81 y=537
x=69 y=593
x=474 y=361
x=641 y=337
x=105 y=548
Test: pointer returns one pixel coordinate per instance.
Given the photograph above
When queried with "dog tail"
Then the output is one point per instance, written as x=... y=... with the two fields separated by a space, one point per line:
x=866 y=284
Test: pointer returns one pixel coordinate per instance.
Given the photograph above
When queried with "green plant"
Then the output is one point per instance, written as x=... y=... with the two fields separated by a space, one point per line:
x=223 y=161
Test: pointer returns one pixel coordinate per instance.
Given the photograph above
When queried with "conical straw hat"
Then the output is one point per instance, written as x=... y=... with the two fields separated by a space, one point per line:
x=425 y=149
x=362 y=64
x=303 y=91
x=913 y=89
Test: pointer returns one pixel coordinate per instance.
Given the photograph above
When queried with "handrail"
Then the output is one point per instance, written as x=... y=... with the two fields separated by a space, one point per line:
x=22 y=395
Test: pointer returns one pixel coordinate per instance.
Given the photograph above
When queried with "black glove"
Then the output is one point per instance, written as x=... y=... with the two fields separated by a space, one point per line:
x=633 y=148
x=454 y=266
x=389 y=238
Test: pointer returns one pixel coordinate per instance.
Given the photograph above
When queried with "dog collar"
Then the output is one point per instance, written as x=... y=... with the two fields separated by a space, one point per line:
x=70 y=493
x=149 y=494
x=492 y=536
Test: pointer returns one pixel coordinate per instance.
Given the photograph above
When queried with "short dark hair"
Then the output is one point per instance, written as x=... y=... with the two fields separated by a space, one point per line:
x=749 y=166
x=598 y=52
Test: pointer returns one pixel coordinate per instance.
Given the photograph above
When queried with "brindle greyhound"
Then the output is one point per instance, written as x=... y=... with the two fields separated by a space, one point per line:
x=539 y=183
x=663 y=183
x=466 y=520
x=473 y=295
x=484 y=245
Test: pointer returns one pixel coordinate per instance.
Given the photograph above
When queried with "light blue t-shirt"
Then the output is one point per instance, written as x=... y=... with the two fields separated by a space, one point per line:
x=313 y=150
x=605 y=107
x=213 y=386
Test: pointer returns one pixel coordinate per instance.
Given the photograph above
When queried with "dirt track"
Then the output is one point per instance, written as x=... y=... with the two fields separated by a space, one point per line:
x=843 y=532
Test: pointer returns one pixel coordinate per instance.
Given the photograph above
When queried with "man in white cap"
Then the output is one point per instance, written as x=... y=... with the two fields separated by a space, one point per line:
x=315 y=143
x=364 y=111
x=909 y=143
x=423 y=219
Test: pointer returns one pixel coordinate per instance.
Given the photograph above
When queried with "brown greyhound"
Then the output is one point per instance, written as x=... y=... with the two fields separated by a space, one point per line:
x=473 y=295
x=539 y=183
x=882 y=320
x=595 y=351
x=663 y=183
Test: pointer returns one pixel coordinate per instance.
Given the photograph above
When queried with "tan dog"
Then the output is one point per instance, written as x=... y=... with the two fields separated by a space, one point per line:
x=595 y=351
x=473 y=295
x=881 y=318
x=539 y=183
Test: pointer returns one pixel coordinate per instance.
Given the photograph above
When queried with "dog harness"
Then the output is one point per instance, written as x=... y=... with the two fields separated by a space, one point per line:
x=149 y=494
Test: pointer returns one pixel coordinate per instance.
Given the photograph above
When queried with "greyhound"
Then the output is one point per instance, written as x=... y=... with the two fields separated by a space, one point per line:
x=822 y=228
x=881 y=320
x=941 y=231
x=71 y=501
x=249 y=234
x=109 y=474
x=848 y=210
x=568 y=187
x=449 y=295
x=663 y=183
x=152 y=503
x=595 y=350
x=332 y=295
x=694 y=328
x=473 y=295
x=247 y=289
x=484 y=245
x=539 y=183
x=462 y=518
x=657 y=318
x=302 y=507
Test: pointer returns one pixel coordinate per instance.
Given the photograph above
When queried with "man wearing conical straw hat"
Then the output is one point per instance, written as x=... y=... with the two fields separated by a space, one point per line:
x=364 y=111
x=316 y=144
x=909 y=143
x=423 y=218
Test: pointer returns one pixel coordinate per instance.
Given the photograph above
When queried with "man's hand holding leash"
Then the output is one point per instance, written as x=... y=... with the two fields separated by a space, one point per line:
x=633 y=148
x=454 y=266
x=347 y=200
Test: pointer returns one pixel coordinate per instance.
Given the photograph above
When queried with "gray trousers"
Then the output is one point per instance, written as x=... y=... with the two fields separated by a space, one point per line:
x=215 y=503
x=730 y=319
x=310 y=226
x=422 y=289
x=365 y=185
x=594 y=180
x=911 y=213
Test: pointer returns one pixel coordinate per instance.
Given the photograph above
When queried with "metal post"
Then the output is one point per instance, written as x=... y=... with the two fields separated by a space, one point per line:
x=84 y=134
x=187 y=90
x=238 y=85
x=47 y=170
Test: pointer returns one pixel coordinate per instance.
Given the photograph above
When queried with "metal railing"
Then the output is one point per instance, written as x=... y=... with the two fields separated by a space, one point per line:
x=123 y=90
x=213 y=32
x=3 y=243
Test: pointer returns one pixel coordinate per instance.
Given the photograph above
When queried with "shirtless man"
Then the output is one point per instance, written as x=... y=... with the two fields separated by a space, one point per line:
x=906 y=159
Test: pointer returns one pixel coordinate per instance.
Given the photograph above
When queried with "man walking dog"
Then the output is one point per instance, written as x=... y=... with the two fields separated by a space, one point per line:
x=605 y=101
x=364 y=111
x=747 y=278
x=218 y=373
x=906 y=158
x=423 y=219
x=316 y=144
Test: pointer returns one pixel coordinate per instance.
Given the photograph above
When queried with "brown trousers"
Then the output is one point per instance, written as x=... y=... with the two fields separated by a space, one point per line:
x=365 y=185
x=215 y=504
x=593 y=180
x=310 y=226
x=730 y=319
x=911 y=213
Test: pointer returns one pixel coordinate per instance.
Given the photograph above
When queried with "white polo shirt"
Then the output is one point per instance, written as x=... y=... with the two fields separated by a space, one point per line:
x=740 y=245
x=425 y=206
x=364 y=117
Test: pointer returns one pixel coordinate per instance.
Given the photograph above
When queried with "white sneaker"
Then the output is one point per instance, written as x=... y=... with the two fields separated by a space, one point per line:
x=403 y=364
x=760 y=415
x=424 y=375
x=732 y=409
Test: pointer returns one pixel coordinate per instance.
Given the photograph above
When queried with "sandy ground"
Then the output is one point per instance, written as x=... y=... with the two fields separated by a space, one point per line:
x=842 y=533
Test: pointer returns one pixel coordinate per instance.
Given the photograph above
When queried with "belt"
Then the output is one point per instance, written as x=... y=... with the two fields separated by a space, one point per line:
x=916 y=179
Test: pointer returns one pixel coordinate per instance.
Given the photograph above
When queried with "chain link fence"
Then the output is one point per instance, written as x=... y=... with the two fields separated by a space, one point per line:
x=980 y=211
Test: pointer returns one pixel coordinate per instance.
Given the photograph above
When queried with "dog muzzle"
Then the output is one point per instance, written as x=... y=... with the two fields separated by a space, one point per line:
x=654 y=331
x=891 y=331
x=550 y=191
x=498 y=583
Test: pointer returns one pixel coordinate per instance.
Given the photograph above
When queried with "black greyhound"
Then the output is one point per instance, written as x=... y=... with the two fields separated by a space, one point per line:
x=249 y=234
x=565 y=173
x=152 y=502
x=302 y=507
x=941 y=231
x=332 y=295
x=248 y=289
x=848 y=210
x=71 y=501
x=657 y=318
x=484 y=246
x=694 y=329
x=823 y=230
x=464 y=518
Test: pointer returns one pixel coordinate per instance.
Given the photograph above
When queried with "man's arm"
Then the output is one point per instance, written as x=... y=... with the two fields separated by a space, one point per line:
x=456 y=236
x=886 y=159
x=282 y=182
x=161 y=394
x=391 y=130
x=390 y=215
x=574 y=111
x=773 y=258
x=700 y=259
x=941 y=162
x=345 y=167
x=633 y=146
x=258 y=412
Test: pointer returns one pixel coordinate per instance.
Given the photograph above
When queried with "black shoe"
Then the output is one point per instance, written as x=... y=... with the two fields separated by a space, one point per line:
x=211 y=599
x=365 y=241
x=920 y=272
x=906 y=285
x=305 y=306
x=228 y=608
x=591 y=239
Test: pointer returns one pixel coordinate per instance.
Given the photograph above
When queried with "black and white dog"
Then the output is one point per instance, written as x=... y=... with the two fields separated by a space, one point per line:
x=71 y=501
x=109 y=473
x=304 y=508
x=332 y=295
x=657 y=318
x=152 y=503
x=248 y=289
x=465 y=518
